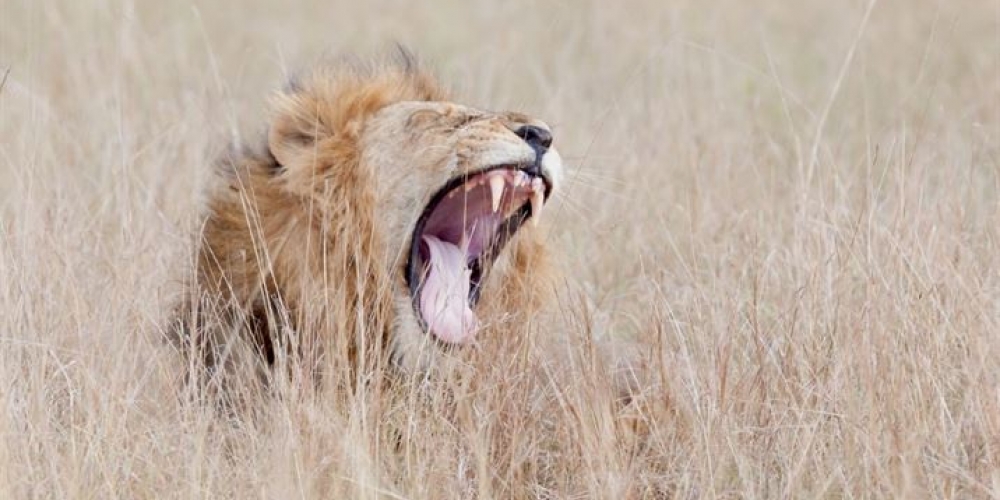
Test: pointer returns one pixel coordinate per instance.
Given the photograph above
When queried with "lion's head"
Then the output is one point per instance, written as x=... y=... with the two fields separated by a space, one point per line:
x=379 y=213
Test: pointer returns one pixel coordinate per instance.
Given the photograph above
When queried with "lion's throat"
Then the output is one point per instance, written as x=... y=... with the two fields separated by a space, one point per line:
x=444 y=299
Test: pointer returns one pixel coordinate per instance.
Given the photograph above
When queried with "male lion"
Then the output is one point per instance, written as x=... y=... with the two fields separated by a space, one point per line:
x=379 y=218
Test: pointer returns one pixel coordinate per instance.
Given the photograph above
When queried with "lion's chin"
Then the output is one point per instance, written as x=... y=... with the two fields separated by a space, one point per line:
x=461 y=231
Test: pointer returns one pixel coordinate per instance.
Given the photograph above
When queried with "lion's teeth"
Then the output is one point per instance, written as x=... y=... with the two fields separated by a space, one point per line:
x=520 y=179
x=537 y=200
x=497 y=183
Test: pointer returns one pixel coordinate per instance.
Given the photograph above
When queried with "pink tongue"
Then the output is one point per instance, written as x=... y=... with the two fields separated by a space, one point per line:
x=444 y=300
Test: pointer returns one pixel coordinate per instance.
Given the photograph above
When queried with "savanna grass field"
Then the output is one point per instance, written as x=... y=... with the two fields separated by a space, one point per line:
x=790 y=207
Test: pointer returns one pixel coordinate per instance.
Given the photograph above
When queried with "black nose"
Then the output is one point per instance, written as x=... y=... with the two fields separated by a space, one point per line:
x=537 y=137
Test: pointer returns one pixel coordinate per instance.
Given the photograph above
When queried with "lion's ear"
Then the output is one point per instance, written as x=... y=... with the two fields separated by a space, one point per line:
x=295 y=128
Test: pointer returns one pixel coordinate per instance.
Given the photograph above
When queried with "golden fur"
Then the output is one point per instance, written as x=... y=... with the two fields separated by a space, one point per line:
x=304 y=241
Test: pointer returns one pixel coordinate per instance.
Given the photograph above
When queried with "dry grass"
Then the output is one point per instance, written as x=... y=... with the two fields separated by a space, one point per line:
x=794 y=205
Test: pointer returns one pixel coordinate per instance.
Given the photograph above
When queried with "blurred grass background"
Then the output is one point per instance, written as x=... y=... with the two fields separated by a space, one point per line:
x=793 y=204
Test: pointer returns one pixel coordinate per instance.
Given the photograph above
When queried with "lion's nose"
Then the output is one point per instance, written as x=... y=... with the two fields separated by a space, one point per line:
x=537 y=137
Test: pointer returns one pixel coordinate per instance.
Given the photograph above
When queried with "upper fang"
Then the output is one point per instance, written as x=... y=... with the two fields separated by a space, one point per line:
x=497 y=184
x=537 y=200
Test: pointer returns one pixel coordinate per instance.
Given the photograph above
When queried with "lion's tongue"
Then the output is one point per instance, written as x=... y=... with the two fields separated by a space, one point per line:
x=444 y=300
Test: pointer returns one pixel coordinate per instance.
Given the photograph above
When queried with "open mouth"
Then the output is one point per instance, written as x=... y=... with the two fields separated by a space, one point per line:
x=457 y=238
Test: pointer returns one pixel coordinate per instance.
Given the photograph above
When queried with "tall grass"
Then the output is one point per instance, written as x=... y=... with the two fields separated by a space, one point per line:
x=791 y=206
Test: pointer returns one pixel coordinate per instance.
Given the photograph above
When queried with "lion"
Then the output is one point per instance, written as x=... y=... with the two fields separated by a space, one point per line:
x=377 y=218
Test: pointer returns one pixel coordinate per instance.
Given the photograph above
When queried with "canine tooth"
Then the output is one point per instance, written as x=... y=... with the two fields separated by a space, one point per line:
x=497 y=184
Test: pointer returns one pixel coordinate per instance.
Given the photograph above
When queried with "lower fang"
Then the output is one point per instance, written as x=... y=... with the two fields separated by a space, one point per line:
x=537 y=200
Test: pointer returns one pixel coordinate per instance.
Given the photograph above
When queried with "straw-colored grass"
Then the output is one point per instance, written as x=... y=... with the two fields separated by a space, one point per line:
x=793 y=206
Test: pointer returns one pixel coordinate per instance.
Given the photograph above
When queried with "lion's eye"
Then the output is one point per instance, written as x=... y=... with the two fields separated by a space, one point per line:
x=464 y=121
x=423 y=118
